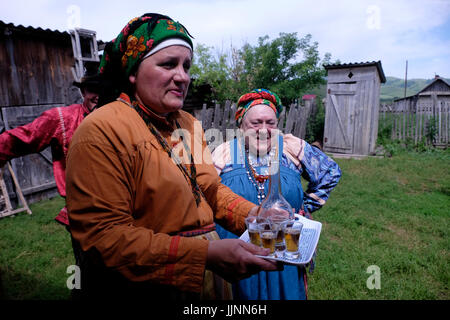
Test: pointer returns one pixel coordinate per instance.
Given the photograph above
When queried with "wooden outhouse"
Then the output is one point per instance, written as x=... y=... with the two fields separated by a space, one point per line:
x=352 y=105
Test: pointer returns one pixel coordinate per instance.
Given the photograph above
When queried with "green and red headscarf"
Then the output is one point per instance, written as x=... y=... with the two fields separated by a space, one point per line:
x=138 y=37
x=256 y=97
x=141 y=36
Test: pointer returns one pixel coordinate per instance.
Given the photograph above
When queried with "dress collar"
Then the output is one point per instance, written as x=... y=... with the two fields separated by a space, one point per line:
x=148 y=115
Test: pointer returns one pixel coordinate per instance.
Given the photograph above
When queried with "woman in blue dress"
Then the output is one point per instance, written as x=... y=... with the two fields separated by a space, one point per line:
x=243 y=165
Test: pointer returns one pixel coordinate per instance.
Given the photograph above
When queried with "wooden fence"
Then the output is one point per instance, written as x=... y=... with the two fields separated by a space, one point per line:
x=292 y=120
x=418 y=121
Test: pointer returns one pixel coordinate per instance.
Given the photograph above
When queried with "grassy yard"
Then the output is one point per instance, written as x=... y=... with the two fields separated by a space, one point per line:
x=391 y=212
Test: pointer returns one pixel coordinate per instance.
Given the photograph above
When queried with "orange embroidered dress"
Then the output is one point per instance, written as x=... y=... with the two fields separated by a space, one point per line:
x=130 y=206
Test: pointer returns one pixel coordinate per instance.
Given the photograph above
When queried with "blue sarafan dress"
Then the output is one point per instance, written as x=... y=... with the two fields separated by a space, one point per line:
x=298 y=159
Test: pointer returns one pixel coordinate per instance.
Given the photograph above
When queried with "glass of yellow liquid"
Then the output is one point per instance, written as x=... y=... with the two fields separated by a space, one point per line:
x=292 y=233
x=253 y=230
x=280 y=244
x=268 y=234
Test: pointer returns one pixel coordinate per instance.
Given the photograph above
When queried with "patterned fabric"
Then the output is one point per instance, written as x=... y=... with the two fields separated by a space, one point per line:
x=288 y=284
x=137 y=38
x=321 y=172
x=199 y=231
x=214 y=286
x=55 y=128
x=298 y=160
x=256 y=97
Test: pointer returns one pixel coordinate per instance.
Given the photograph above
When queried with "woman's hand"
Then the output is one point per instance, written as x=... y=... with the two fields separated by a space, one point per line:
x=234 y=259
x=254 y=211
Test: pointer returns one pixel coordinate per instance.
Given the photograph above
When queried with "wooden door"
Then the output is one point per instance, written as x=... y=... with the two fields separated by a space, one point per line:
x=340 y=117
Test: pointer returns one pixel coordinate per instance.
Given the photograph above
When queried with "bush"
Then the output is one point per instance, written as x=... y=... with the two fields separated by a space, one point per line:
x=316 y=124
x=396 y=146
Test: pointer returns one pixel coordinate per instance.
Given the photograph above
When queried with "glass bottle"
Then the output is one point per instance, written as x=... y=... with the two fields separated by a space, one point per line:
x=275 y=207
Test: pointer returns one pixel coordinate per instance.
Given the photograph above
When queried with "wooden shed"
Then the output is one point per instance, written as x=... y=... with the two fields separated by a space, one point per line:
x=352 y=105
x=429 y=109
x=437 y=90
x=35 y=75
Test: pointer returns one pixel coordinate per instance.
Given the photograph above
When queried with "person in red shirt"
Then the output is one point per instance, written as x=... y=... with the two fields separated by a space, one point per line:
x=54 y=128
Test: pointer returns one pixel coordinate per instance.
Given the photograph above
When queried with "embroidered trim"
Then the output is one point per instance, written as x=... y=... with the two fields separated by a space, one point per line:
x=199 y=231
x=171 y=258
x=230 y=208
x=63 y=128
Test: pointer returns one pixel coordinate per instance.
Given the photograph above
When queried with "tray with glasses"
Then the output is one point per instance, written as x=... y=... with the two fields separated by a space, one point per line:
x=291 y=242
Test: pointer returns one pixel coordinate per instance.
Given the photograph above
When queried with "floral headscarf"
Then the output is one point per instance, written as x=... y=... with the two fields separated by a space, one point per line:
x=138 y=37
x=255 y=97
x=122 y=56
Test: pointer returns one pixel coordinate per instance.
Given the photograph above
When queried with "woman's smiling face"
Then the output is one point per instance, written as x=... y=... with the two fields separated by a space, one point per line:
x=258 y=124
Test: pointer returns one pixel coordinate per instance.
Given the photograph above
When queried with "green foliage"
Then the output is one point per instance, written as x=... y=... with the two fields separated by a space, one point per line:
x=211 y=70
x=316 y=124
x=395 y=146
x=384 y=131
x=431 y=128
x=287 y=65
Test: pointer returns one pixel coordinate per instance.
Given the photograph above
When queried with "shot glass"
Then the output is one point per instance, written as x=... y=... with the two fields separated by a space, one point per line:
x=292 y=233
x=268 y=234
x=280 y=244
x=253 y=230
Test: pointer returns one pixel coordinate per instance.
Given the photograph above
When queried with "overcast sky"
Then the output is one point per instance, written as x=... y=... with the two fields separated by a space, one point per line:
x=392 y=31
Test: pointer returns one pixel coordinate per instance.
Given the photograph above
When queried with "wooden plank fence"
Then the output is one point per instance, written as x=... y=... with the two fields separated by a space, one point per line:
x=419 y=121
x=292 y=119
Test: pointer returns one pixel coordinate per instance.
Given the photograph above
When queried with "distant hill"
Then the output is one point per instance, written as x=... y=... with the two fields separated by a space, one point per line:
x=395 y=87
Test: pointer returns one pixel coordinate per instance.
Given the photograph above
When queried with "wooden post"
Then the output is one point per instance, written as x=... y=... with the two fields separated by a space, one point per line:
x=216 y=121
x=281 y=121
x=417 y=113
x=5 y=198
x=411 y=120
x=404 y=131
x=447 y=115
x=421 y=114
x=439 y=138
x=225 y=117
x=203 y=115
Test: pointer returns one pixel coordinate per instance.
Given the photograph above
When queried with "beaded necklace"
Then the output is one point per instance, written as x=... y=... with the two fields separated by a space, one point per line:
x=191 y=177
x=258 y=180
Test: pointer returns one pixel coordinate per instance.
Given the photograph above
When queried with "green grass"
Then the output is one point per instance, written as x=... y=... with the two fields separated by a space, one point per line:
x=389 y=212
x=392 y=213
x=35 y=252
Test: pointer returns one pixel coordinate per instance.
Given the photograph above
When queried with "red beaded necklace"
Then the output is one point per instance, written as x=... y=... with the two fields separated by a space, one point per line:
x=261 y=178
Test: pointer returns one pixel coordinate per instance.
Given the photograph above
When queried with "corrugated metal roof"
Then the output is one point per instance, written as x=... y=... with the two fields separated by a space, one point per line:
x=359 y=64
x=436 y=78
x=9 y=28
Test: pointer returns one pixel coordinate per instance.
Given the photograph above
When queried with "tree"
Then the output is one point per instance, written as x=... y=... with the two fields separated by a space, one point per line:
x=211 y=70
x=287 y=65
